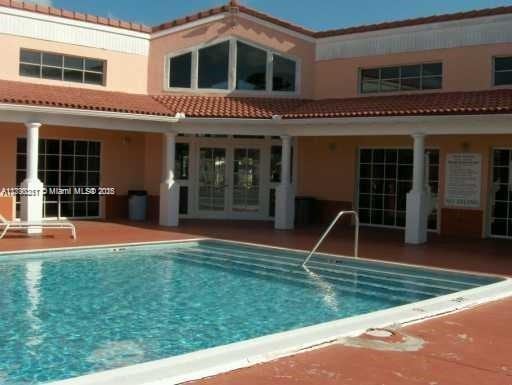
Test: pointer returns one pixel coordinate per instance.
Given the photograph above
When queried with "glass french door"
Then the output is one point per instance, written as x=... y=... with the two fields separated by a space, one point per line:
x=66 y=165
x=385 y=178
x=246 y=180
x=501 y=211
x=212 y=179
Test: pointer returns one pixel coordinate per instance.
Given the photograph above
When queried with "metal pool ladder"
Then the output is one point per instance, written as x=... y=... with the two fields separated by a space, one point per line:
x=326 y=232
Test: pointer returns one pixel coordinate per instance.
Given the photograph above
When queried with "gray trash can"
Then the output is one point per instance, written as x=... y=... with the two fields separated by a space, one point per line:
x=137 y=205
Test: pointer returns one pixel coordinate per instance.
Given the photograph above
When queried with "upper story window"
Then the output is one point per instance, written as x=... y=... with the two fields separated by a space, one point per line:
x=502 y=71
x=233 y=65
x=251 y=68
x=181 y=71
x=46 y=65
x=213 y=71
x=417 y=77
x=284 y=74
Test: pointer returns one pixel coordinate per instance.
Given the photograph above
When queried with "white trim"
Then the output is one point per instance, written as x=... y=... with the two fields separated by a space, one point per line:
x=229 y=144
x=271 y=25
x=232 y=70
x=491 y=195
x=58 y=29
x=452 y=34
x=362 y=126
x=224 y=15
x=191 y=24
x=213 y=361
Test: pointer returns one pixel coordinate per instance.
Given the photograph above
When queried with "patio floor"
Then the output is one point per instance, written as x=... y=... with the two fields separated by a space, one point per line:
x=488 y=255
x=469 y=347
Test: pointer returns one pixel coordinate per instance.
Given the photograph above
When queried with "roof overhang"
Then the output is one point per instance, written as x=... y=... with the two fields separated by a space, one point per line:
x=72 y=117
x=485 y=124
x=493 y=124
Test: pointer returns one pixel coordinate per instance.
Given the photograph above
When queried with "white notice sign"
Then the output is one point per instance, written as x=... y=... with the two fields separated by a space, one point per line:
x=463 y=180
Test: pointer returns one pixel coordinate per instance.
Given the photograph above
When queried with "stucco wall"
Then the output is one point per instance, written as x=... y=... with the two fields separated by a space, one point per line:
x=244 y=29
x=125 y=72
x=122 y=154
x=328 y=165
x=464 y=69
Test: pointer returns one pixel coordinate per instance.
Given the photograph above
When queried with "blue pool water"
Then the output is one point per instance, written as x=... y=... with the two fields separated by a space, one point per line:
x=70 y=313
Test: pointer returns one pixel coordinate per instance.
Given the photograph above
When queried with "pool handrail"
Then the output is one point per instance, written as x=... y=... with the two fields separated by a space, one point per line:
x=326 y=232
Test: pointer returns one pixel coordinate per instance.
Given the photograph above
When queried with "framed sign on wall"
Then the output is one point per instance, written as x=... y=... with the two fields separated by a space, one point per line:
x=463 y=180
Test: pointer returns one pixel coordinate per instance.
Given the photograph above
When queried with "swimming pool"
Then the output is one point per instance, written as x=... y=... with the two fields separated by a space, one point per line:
x=66 y=314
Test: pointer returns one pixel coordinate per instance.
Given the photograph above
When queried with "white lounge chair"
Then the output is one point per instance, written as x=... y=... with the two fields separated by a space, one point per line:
x=6 y=225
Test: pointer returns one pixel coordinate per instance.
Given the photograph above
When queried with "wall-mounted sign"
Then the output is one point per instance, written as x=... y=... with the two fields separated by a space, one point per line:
x=463 y=180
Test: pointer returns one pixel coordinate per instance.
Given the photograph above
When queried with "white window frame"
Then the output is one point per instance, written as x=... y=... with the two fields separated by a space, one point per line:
x=63 y=67
x=493 y=69
x=400 y=92
x=491 y=196
x=437 y=230
x=232 y=70
x=101 y=201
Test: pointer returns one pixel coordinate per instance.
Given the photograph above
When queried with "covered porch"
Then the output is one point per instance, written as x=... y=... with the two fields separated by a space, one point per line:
x=248 y=159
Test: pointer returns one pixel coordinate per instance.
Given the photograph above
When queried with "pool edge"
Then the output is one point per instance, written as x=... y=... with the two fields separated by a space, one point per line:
x=225 y=358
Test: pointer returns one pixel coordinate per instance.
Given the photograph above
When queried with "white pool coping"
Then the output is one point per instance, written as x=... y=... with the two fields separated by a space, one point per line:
x=221 y=359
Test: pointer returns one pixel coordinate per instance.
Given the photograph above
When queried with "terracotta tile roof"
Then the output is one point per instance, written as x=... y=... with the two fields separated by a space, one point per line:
x=234 y=6
x=80 y=98
x=447 y=103
x=440 y=103
x=59 y=12
x=228 y=107
x=417 y=21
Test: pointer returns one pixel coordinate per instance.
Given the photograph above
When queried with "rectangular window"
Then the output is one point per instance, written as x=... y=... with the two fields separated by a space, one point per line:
x=385 y=179
x=181 y=161
x=180 y=68
x=251 y=68
x=45 y=65
x=502 y=71
x=283 y=78
x=501 y=210
x=276 y=153
x=214 y=66
x=64 y=164
x=402 y=78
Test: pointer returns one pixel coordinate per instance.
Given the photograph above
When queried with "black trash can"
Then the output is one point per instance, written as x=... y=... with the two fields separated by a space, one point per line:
x=304 y=210
x=137 y=205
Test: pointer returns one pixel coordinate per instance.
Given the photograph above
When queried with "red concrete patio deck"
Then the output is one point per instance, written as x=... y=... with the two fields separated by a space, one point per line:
x=469 y=347
x=488 y=256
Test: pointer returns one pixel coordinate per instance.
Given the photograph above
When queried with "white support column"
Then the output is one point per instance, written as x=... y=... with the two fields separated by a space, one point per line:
x=32 y=202
x=169 y=189
x=285 y=196
x=417 y=198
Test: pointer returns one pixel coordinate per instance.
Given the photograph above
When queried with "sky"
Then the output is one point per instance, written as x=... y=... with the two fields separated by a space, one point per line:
x=313 y=14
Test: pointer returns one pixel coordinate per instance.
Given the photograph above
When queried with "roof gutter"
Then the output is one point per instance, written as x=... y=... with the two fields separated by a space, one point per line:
x=86 y=113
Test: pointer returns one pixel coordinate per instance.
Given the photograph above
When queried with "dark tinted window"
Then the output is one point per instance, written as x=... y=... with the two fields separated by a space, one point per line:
x=502 y=71
x=214 y=66
x=181 y=161
x=181 y=71
x=283 y=78
x=251 y=68
x=53 y=66
x=402 y=78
